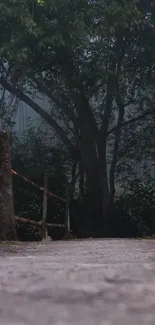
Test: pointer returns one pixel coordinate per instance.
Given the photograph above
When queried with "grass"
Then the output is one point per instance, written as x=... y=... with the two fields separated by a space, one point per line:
x=69 y=237
x=10 y=243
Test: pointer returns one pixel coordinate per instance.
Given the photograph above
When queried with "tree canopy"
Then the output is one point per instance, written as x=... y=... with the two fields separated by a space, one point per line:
x=94 y=61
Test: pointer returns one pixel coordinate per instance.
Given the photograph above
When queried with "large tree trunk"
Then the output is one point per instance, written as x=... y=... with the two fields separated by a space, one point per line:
x=7 y=221
x=97 y=191
x=93 y=155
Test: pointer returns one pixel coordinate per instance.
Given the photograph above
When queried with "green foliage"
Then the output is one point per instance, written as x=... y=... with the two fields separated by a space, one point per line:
x=133 y=214
x=41 y=2
x=32 y=157
x=27 y=232
x=78 y=45
x=15 y=21
x=87 y=57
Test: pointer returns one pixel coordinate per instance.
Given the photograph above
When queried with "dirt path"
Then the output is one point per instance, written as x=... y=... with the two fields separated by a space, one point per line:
x=96 y=282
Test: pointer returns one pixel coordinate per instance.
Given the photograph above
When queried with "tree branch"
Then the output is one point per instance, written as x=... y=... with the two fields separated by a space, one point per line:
x=111 y=85
x=137 y=118
x=116 y=146
x=67 y=110
x=150 y=111
x=39 y=110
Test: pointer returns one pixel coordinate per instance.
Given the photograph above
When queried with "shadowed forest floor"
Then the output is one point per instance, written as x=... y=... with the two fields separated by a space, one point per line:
x=90 y=282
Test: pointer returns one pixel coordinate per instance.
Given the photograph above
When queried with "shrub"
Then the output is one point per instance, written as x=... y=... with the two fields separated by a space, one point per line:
x=133 y=212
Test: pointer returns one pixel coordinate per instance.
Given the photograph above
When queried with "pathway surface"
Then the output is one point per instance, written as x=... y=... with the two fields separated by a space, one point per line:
x=92 y=282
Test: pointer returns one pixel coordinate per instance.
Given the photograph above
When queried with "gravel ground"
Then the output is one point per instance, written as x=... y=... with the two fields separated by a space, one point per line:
x=91 y=282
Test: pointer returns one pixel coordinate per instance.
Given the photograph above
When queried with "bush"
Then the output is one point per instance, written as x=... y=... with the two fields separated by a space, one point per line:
x=27 y=232
x=133 y=212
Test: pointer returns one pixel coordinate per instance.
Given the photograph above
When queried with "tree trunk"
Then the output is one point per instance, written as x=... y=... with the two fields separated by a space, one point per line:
x=69 y=197
x=7 y=221
x=43 y=231
x=96 y=191
x=93 y=156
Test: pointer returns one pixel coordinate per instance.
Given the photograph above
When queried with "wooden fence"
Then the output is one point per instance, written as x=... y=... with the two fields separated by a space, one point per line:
x=43 y=222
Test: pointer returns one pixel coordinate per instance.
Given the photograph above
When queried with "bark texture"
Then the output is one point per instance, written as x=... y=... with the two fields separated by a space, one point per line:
x=7 y=220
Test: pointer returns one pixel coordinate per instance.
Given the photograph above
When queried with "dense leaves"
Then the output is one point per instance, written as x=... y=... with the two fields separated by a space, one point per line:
x=32 y=156
x=134 y=211
x=94 y=61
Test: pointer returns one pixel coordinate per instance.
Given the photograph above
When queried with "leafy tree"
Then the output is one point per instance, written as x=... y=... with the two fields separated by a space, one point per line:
x=91 y=59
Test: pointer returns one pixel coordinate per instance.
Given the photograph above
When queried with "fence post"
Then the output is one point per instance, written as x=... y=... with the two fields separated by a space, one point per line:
x=45 y=199
x=7 y=219
x=67 y=221
x=69 y=194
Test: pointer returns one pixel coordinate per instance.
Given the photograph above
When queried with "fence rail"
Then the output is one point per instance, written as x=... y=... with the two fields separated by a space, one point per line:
x=33 y=222
x=28 y=220
x=37 y=186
